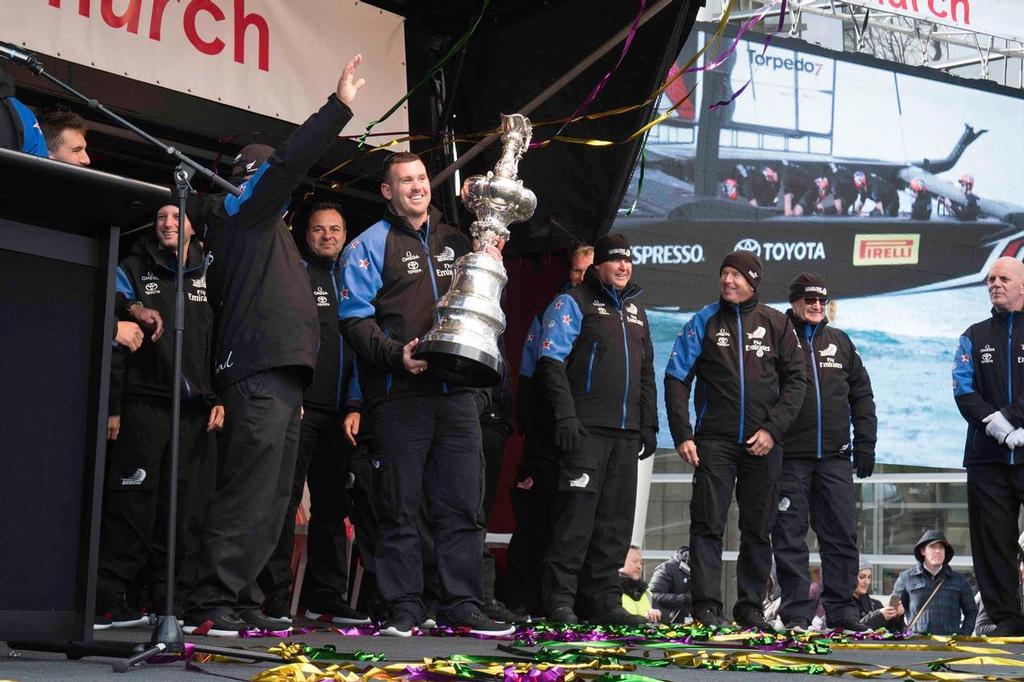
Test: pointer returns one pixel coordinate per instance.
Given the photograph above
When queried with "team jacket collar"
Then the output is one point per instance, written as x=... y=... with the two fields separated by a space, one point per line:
x=1004 y=317
x=745 y=306
x=631 y=290
x=433 y=217
x=149 y=247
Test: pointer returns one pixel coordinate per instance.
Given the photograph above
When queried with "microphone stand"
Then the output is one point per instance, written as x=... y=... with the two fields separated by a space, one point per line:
x=167 y=636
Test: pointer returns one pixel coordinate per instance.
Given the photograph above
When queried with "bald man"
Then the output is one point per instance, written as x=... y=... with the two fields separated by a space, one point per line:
x=988 y=384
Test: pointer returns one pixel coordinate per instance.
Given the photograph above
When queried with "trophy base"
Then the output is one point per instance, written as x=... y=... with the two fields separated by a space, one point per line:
x=460 y=364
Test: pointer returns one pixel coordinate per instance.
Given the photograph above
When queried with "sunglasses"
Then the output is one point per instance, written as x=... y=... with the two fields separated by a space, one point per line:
x=810 y=300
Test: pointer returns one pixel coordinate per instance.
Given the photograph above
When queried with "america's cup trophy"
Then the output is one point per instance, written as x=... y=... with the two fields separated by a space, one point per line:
x=462 y=347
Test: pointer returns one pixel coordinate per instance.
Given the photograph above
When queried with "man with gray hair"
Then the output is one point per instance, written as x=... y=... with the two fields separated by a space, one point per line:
x=988 y=385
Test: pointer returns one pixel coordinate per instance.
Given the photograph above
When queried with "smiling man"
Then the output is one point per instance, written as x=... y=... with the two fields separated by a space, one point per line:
x=745 y=358
x=816 y=485
x=426 y=433
x=988 y=384
x=596 y=372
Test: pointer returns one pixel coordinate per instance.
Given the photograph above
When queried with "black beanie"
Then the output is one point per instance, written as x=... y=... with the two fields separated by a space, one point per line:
x=250 y=159
x=808 y=284
x=612 y=247
x=747 y=263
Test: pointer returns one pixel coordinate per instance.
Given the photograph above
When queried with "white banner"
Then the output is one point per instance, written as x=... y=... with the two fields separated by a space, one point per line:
x=281 y=58
x=1000 y=18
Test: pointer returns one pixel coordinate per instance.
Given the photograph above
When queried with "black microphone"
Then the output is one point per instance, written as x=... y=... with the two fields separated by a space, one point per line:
x=18 y=56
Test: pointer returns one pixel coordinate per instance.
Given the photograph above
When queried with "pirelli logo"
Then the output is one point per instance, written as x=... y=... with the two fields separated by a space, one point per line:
x=886 y=249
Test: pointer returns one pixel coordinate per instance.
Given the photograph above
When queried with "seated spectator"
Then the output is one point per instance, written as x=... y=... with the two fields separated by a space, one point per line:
x=872 y=613
x=635 y=598
x=937 y=599
x=670 y=587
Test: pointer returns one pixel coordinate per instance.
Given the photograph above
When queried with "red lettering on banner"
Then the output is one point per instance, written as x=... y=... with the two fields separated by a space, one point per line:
x=244 y=21
x=157 y=19
x=967 y=10
x=898 y=4
x=130 y=18
x=215 y=46
x=940 y=14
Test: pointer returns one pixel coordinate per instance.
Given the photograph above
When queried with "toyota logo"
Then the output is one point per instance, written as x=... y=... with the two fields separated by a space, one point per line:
x=748 y=244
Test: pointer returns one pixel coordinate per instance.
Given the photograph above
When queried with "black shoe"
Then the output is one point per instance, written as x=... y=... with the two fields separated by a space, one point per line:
x=399 y=624
x=617 y=616
x=849 y=626
x=119 y=616
x=335 y=610
x=520 y=613
x=495 y=610
x=258 y=620
x=479 y=624
x=562 y=614
x=279 y=607
x=752 y=617
x=217 y=623
x=798 y=624
x=1010 y=627
x=709 y=617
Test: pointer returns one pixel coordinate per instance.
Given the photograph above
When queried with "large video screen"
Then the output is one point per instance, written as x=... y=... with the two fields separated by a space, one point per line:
x=900 y=187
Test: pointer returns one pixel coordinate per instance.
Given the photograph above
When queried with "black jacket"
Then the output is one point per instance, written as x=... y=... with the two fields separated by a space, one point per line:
x=333 y=387
x=258 y=287
x=870 y=614
x=670 y=588
x=749 y=371
x=988 y=375
x=391 y=279
x=148 y=276
x=596 y=359
x=838 y=393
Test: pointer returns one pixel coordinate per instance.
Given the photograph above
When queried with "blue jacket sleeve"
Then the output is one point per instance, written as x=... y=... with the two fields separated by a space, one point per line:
x=361 y=279
x=679 y=374
x=560 y=327
x=32 y=140
x=971 y=404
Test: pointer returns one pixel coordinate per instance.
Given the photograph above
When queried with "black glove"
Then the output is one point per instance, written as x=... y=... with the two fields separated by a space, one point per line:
x=568 y=432
x=864 y=463
x=648 y=442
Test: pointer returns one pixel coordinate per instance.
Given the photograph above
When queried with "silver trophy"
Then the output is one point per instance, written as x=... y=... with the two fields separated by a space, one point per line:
x=462 y=348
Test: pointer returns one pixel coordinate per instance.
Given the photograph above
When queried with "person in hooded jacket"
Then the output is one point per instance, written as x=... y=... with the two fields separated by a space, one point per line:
x=596 y=370
x=746 y=362
x=330 y=407
x=636 y=597
x=670 y=587
x=937 y=599
x=267 y=333
x=988 y=385
x=133 y=530
x=816 y=485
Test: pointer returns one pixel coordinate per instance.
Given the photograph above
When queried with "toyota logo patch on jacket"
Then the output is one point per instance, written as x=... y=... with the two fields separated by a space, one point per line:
x=391 y=278
x=838 y=393
x=988 y=375
x=749 y=371
x=596 y=359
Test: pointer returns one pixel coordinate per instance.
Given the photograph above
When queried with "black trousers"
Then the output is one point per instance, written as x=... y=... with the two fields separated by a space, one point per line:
x=995 y=493
x=819 y=492
x=133 y=534
x=725 y=466
x=593 y=523
x=322 y=460
x=254 y=482
x=533 y=500
x=432 y=444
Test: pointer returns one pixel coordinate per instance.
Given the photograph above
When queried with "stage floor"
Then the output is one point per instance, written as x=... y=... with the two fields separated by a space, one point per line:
x=736 y=656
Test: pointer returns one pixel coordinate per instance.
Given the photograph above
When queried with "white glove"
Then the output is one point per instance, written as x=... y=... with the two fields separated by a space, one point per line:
x=998 y=426
x=1015 y=439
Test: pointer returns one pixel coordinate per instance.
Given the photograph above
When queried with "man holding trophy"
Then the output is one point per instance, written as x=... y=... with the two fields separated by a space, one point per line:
x=425 y=427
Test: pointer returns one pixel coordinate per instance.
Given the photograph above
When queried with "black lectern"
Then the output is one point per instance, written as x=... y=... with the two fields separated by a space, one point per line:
x=59 y=229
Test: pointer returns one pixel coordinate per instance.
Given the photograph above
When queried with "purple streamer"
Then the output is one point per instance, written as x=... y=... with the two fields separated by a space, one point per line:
x=732 y=48
x=604 y=80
